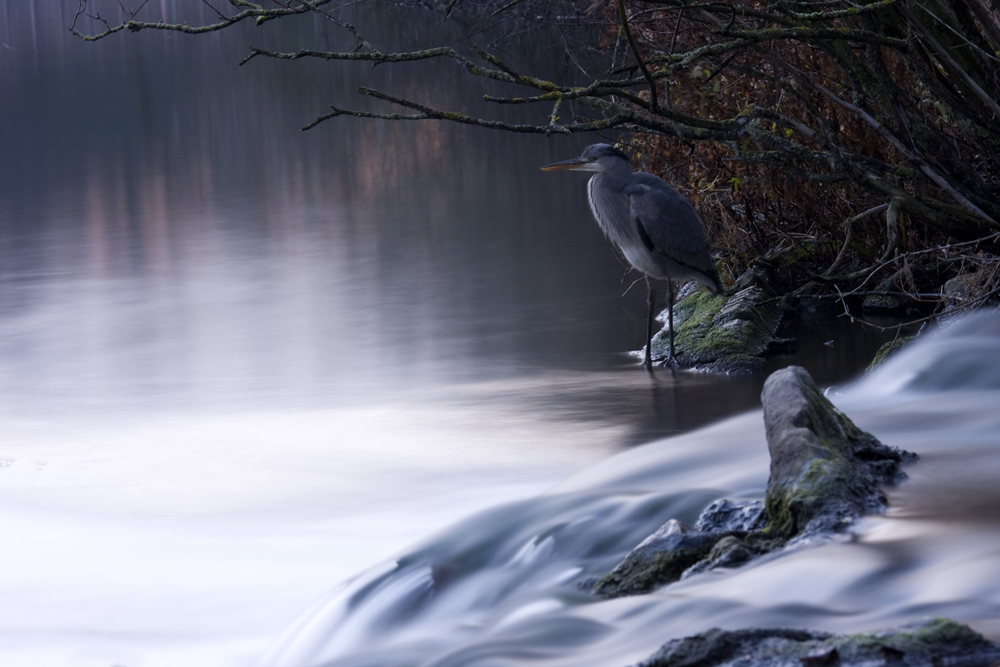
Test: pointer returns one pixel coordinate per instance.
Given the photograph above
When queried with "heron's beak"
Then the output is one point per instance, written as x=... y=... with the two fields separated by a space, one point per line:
x=575 y=164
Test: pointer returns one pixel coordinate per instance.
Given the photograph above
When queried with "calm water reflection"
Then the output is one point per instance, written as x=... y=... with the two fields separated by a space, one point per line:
x=169 y=236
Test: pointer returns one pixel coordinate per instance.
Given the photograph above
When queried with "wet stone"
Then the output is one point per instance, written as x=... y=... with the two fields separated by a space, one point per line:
x=726 y=333
x=660 y=559
x=729 y=516
x=727 y=552
x=931 y=643
x=825 y=473
x=886 y=350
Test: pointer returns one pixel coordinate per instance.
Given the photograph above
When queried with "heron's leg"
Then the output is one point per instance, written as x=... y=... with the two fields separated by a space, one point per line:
x=650 y=307
x=670 y=317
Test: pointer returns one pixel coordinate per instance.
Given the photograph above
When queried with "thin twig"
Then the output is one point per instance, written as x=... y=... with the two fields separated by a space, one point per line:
x=209 y=5
x=653 y=104
x=914 y=253
x=849 y=235
x=923 y=165
x=946 y=58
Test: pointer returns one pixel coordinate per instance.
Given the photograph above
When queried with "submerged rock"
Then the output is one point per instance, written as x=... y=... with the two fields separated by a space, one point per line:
x=730 y=551
x=825 y=473
x=727 y=333
x=887 y=349
x=932 y=643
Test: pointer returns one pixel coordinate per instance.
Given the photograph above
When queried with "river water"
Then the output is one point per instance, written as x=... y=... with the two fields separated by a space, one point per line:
x=240 y=364
x=502 y=588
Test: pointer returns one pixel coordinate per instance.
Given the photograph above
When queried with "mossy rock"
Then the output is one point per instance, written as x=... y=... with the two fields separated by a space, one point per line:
x=825 y=473
x=939 y=641
x=824 y=469
x=723 y=333
x=662 y=558
x=886 y=350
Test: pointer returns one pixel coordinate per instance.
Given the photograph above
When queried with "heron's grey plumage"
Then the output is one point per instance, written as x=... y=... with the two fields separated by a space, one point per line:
x=680 y=251
x=656 y=228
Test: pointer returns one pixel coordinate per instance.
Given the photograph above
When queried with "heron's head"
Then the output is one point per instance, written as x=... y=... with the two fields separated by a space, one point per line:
x=596 y=157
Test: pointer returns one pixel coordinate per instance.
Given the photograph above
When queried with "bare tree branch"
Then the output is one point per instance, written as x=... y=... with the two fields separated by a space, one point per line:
x=653 y=103
x=429 y=113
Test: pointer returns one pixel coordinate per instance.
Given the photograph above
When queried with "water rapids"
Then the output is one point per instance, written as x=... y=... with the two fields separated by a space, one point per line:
x=504 y=587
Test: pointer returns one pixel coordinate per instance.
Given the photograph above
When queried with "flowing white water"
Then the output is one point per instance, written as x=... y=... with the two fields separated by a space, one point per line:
x=503 y=588
x=194 y=538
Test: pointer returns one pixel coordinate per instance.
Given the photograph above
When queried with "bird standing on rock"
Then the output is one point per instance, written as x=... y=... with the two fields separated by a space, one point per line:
x=656 y=228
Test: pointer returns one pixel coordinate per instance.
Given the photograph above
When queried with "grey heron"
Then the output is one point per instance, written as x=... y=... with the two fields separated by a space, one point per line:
x=656 y=228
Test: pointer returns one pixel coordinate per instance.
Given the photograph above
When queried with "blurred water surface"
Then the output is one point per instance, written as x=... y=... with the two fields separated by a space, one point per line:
x=504 y=587
x=240 y=362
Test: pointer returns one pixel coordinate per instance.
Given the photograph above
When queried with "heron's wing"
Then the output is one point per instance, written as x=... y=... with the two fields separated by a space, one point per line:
x=669 y=224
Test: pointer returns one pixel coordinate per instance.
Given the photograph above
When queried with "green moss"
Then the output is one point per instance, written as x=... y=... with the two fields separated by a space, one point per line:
x=701 y=306
x=944 y=631
x=790 y=508
x=886 y=350
x=820 y=474
x=938 y=633
x=642 y=573
x=734 y=331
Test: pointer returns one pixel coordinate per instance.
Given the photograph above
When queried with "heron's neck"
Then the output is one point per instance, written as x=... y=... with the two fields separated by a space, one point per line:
x=617 y=176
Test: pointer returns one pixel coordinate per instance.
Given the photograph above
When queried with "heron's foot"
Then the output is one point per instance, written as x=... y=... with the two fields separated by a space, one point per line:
x=669 y=361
